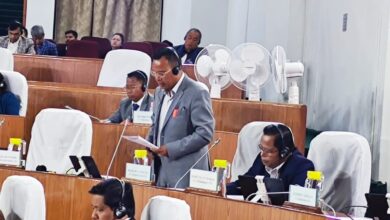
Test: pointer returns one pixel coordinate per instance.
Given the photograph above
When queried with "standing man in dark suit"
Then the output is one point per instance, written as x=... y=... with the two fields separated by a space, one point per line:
x=183 y=122
x=138 y=98
x=190 y=49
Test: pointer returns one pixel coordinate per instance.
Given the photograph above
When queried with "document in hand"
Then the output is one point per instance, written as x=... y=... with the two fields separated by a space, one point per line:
x=141 y=141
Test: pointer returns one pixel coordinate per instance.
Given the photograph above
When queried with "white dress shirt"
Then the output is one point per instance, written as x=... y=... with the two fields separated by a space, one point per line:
x=165 y=107
x=274 y=172
x=13 y=47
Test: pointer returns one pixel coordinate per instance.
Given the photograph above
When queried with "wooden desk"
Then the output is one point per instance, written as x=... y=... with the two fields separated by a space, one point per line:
x=230 y=114
x=82 y=71
x=103 y=148
x=10 y=127
x=70 y=200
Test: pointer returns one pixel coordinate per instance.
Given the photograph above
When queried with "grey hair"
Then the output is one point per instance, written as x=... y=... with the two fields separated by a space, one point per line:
x=37 y=31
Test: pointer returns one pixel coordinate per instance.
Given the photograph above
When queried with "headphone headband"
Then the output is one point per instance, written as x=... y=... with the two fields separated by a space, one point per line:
x=143 y=75
x=121 y=210
x=285 y=149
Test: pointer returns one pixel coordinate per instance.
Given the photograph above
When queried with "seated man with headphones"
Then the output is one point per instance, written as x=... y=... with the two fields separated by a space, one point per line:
x=138 y=98
x=278 y=158
x=9 y=102
x=190 y=49
x=112 y=199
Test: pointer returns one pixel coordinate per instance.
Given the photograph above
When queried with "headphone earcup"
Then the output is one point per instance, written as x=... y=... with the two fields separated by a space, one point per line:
x=121 y=211
x=175 y=70
x=284 y=152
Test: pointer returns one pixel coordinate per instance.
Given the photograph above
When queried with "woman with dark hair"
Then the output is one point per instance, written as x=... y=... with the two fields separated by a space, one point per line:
x=278 y=159
x=9 y=103
x=117 y=41
x=112 y=199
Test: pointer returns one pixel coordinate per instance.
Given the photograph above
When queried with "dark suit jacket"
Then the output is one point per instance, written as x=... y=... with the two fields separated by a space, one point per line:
x=293 y=172
x=125 y=109
x=191 y=56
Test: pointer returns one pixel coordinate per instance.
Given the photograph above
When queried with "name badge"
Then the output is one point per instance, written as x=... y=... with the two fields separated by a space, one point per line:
x=142 y=117
x=303 y=196
x=203 y=179
x=138 y=172
x=10 y=157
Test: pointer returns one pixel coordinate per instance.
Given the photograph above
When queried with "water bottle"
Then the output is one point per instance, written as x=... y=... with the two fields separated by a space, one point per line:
x=222 y=168
x=141 y=157
x=20 y=146
x=314 y=180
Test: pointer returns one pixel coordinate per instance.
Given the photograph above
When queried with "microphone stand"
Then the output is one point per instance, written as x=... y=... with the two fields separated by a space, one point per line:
x=212 y=146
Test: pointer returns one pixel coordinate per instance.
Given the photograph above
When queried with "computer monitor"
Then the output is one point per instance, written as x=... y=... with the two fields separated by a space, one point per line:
x=85 y=167
x=91 y=167
x=249 y=187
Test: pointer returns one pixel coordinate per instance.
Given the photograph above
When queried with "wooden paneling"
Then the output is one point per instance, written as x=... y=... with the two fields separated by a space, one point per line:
x=59 y=69
x=67 y=198
x=230 y=114
x=10 y=127
x=82 y=71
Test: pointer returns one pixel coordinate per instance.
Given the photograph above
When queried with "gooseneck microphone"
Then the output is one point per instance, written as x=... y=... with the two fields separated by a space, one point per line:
x=91 y=116
x=116 y=148
x=212 y=146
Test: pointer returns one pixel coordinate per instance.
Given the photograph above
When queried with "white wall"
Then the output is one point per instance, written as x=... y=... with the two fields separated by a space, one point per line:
x=41 y=12
x=384 y=164
x=176 y=20
x=344 y=70
x=208 y=16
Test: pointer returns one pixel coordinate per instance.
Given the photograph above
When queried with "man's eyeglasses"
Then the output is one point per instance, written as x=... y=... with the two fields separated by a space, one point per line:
x=267 y=151
x=160 y=74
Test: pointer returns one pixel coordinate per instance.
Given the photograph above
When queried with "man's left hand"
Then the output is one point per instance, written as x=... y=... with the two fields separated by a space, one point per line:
x=163 y=151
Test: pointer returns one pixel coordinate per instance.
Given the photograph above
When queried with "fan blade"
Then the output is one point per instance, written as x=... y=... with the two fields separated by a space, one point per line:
x=237 y=71
x=254 y=54
x=204 y=66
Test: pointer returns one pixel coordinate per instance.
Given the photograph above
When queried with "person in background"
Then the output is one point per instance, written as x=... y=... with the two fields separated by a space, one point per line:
x=15 y=42
x=190 y=49
x=117 y=41
x=42 y=46
x=112 y=199
x=9 y=103
x=278 y=158
x=24 y=32
x=138 y=98
x=167 y=42
x=70 y=35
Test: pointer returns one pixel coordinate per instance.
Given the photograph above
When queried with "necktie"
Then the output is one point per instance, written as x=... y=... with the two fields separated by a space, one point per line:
x=135 y=106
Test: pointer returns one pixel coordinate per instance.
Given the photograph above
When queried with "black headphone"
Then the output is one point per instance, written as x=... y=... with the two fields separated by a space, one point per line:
x=2 y=81
x=121 y=210
x=285 y=151
x=144 y=77
x=176 y=69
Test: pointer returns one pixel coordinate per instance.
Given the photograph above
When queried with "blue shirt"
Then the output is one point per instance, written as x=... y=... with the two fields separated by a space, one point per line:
x=9 y=104
x=191 y=56
x=47 y=48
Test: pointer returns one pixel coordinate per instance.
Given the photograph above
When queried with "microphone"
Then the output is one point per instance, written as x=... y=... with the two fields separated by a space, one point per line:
x=91 y=116
x=116 y=148
x=212 y=146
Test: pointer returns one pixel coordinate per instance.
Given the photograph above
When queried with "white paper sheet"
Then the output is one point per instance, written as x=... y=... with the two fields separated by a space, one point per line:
x=140 y=140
